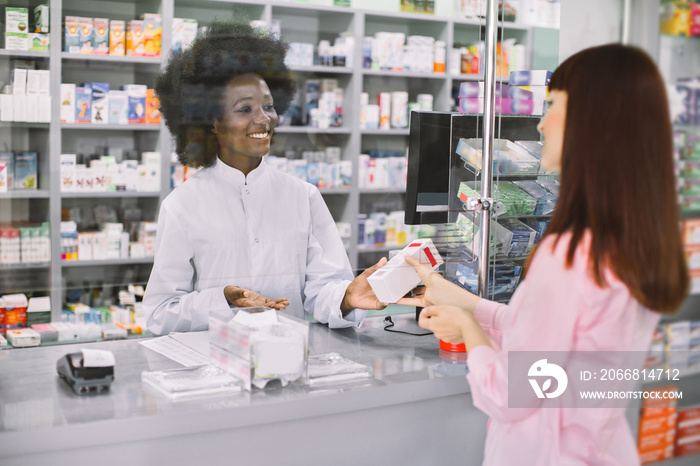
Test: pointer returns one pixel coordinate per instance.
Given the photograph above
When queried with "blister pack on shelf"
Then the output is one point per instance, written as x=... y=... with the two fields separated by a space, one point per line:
x=501 y=238
x=545 y=199
x=503 y=279
x=523 y=237
x=508 y=157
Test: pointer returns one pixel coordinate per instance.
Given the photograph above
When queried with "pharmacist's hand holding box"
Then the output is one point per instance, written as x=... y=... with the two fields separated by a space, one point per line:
x=393 y=281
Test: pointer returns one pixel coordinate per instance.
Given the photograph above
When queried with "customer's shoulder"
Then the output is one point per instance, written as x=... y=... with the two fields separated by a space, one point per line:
x=555 y=249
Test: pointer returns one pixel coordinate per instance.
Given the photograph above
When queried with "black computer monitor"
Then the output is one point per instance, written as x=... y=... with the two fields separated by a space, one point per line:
x=427 y=185
x=433 y=168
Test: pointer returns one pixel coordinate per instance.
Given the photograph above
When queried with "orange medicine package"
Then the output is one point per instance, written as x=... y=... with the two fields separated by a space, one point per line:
x=152 y=32
x=134 y=38
x=655 y=425
x=117 y=38
x=152 y=107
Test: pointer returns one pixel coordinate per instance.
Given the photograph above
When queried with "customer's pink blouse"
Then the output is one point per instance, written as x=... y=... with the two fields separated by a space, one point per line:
x=556 y=309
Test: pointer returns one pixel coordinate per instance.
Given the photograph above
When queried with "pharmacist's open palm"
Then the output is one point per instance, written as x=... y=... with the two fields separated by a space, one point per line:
x=241 y=297
x=359 y=294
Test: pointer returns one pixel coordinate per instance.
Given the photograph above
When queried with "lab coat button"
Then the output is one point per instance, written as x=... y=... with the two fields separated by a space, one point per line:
x=257 y=240
x=247 y=191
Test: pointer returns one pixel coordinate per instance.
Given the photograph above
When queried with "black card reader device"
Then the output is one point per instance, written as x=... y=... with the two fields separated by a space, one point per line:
x=84 y=380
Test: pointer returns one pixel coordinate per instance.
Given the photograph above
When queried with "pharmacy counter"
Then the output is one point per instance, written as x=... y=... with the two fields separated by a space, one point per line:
x=416 y=410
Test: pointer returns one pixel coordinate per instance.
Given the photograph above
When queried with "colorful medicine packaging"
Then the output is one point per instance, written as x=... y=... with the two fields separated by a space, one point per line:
x=13 y=312
x=100 y=41
x=475 y=89
x=25 y=176
x=16 y=28
x=68 y=103
x=134 y=38
x=100 y=103
x=117 y=38
x=86 y=35
x=137 y=102
x=72 y=34
x=152 y=107
x=8 y=160
x=118 y=107
x=397 y=277
x=38 y=311
x=152 y=34
x=3 y=177
x=530 y=78
x=42 y=19
x=83 y=105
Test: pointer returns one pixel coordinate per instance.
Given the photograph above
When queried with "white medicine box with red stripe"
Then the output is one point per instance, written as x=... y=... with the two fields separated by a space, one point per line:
x=397 y=277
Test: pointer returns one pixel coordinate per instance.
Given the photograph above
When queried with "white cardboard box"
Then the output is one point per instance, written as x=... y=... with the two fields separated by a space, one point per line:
x=396 y=278
x=7 y=107
x=19 y=81
x=19 y=104
x=67 y=103
x=32 y=111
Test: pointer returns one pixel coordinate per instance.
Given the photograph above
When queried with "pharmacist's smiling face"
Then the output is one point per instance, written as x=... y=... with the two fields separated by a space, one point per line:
x=552 y=128
x=248 y=119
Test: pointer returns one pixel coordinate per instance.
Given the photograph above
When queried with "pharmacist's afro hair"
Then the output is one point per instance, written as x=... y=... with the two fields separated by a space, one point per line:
x=190 y=88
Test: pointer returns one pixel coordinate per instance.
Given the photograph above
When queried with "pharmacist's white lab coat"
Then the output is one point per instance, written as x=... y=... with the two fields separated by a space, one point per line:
x=268 y=232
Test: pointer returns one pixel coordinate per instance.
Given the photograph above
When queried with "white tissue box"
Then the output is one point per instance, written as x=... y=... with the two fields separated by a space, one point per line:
x=396 y=278
x=258 y=345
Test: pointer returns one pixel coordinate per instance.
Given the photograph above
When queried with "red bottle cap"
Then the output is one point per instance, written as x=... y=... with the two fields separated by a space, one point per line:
x=460 y=348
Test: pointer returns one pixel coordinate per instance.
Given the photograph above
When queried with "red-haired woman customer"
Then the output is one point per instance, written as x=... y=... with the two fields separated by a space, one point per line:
x=611 y=262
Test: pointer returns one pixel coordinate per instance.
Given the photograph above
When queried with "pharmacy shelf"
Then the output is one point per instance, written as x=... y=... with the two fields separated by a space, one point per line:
x=107 y=262
x=96 y=127
x=386 y=132
x=111 y=58
x=109 y=194
x=404 y=74
x=506 y=24
x=520 y=217
x=404 y=16
x=22 y=124
x=311 y=9
x=319 y=22
x=372 y=249
x=335 y=190
x=26 y=194
x=321 y=69
x=382 y=190
x=688 y=214
x=688 y=460
x=475 y=77
x=311 y=130
x=23 y=53
x=145 y=334
x=15 y=267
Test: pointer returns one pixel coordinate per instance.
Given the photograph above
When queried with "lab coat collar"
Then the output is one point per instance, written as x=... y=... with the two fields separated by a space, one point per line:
x=236 y=177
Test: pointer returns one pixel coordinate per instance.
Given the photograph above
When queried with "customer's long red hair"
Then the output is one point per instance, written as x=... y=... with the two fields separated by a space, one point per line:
x=617 y=176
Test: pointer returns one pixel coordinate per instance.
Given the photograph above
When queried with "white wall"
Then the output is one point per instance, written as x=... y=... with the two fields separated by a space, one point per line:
x=587 y=23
